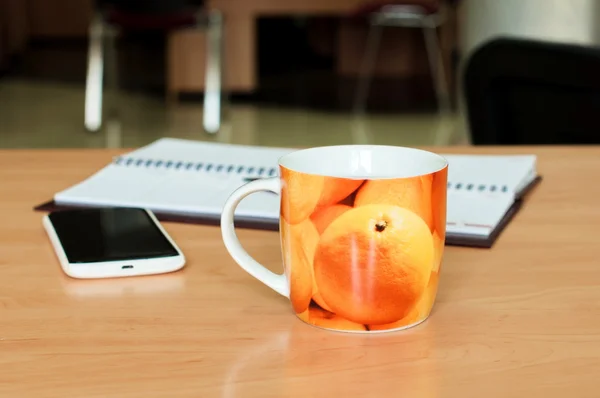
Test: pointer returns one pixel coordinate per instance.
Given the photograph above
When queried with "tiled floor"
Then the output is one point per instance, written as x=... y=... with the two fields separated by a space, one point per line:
x=39 y=115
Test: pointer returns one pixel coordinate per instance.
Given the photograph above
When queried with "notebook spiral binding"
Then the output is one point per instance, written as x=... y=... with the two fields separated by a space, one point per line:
x=198 y=167
x=477 y=187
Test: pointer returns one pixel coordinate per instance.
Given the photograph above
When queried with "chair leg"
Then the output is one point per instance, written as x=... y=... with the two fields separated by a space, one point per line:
x=437 y=68
x=95 y=71
x=213 y=102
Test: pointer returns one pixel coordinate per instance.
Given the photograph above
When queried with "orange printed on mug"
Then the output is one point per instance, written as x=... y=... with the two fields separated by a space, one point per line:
x=362 y=234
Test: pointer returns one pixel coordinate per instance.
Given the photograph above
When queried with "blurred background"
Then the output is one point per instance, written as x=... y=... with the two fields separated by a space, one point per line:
x=85 y=73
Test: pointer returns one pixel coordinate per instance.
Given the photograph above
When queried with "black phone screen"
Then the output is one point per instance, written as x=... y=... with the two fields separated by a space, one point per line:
x=115 y=234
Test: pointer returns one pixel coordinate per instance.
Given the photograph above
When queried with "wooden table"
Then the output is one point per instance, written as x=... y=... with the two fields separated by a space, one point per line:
x=519 y=320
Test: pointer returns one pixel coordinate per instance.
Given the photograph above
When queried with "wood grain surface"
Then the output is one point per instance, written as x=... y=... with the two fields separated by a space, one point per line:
x=519 y=320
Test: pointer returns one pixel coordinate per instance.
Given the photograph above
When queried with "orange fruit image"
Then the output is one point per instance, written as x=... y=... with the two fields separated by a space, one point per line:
x=413 y=194
x=328 y=320
x=299 y=242
x=411 y=318
x=427 y=183
x=349 y=200
x=420 y=311
x=324 y=216
x=304 y=315
x=439 y=190
x=373 y=263
x=318 y=299
x=300 y=194
x=337 y=189
x=438 y=251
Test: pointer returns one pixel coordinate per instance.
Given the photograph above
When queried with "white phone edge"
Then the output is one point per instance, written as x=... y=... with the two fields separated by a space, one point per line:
x=114 y=269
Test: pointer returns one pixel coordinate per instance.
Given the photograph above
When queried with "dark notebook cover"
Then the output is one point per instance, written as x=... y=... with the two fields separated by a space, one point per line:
x=269 y=225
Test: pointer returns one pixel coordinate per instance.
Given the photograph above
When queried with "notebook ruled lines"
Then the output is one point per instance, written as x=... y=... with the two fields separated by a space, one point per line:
x=197 y=167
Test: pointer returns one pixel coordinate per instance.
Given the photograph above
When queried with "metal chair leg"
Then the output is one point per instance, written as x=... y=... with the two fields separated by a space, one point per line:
x=214 y=74
x=95 y=71
x=437 y=68
x=368 y=64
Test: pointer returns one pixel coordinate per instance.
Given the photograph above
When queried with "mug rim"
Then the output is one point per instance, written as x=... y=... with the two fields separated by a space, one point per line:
x=397 y=175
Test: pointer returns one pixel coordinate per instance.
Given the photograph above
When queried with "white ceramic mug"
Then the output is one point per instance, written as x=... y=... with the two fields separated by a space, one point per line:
x=362 y=234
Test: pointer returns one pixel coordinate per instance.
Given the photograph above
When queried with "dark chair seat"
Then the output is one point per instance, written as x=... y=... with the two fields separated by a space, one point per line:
x=160 y=7
x=153 y=21
x=530 y=92
x=427 y=7
x=151 y=14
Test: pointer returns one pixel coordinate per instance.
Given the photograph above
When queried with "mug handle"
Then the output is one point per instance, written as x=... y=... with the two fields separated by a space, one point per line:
x=277 y=282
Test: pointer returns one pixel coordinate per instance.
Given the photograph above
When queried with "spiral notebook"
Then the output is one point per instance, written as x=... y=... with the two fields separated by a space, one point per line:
x=189 y=181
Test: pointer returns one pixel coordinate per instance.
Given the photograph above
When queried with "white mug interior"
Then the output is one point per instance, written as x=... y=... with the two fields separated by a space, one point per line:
x=364 y=161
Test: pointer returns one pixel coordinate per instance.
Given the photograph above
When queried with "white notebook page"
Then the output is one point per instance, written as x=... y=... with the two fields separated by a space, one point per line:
x=482 y=188
x=201 y=176
x=512 y=172
x=185 y=189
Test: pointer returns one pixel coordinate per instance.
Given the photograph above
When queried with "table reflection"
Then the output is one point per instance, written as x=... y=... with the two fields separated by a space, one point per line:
x=152 y=285
x=307 y=361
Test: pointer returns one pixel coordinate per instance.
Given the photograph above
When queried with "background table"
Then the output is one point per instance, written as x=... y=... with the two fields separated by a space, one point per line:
x=519 y=320
x=402 y=53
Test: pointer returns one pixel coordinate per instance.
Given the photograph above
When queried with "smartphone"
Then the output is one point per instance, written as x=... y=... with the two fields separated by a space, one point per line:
x=111 y=242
